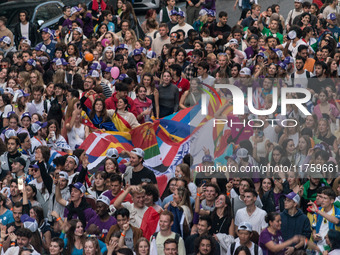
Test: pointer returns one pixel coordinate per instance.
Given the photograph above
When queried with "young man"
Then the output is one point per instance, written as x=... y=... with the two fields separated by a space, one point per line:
x=301 y=75
x=170 y=247
x=220 y=29
x=143 y=105
x=102 y=220
x=136 y=173
x=5 y=45
x=158 y=43
x=165 y=12
x=26 y=29
x=202 y=72
x=24 y=237
x=326 y=217
x=15 y=194
x=116 y=184
x=181 y=24
x=245 y=233
x=293 y=13
x=46 y=34
x=108 y=18
x=309 y=63
x=121 y=92
x=204 y=245
x=132 y=234
x=4 y=31
x=165 y=222
x=39 y=135
x=137 y=208
x=251 y=213
x=172 y=22
x=18 y=167
x=255 y=13
x=272 y=30
x=331 y=8
x=319 y=80
x=203 y=228
x=332 y=25
x=292 y=216
x=181 y=83
x=207 y=205
x=191 y=70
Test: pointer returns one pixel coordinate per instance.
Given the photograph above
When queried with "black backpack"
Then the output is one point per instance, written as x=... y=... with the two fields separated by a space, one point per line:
x=177 y=236
x=232 y=248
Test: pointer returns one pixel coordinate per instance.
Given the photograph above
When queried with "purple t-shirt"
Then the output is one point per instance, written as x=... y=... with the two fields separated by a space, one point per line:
x=103 y=226
x=89 y=214
x=68 y=23
x=266 y=237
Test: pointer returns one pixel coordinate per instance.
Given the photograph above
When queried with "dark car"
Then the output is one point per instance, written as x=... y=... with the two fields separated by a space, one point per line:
x=42 y=13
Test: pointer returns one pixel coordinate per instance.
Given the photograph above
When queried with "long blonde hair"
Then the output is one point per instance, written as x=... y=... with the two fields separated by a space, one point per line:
x=133 y=38
x=59 y=76
x=70 y=107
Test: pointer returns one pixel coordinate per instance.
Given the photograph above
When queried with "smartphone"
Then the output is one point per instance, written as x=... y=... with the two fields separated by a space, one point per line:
x=260 y=134
x=20 y=184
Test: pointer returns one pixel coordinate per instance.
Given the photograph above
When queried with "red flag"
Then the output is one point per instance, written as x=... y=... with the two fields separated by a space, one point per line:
x=149 y=222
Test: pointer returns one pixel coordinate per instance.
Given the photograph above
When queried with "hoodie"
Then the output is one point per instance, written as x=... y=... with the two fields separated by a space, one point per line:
x=298 y=224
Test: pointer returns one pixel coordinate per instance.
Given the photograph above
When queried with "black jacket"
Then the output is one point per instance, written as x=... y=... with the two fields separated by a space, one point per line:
x=32 y=33
x=268 y=201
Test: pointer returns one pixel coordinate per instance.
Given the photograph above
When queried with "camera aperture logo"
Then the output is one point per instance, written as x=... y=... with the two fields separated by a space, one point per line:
x=239 y=106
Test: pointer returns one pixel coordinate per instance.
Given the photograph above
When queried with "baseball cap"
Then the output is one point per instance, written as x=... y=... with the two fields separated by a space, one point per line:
x=181 y=13
x=293 y=196
x=104 y=199
x=112 y=153
x=261 y=54
x=331 y=16
x=245 y=226
x=122 y=46
x=233 y=41
x=288 y=60
x=211 y=13
x=6 y=40
x=291 y=35
x=36 y=126
x=47 y=30
x=245 y=71
x=26 y=41
x=242 y=153
x=10 y=91
x=298 y=1
x=137 y=52
x=74 y=10
x=75 y=158
x=31 y=62
x=203 y=12
x=151 y=54
x=21 y=93
x=41 y=47
x=26 y=114
x=138 y=151
x=20 y=160
x=29 y=223
x=122 y=76
x=93 y=73
x=173 y=12
x=9 y=133
x=78 y=29
x=207 y=158
x=95 y=66
x=108 y=69
x=79 y=186
x=283 y=66
x=63 y=174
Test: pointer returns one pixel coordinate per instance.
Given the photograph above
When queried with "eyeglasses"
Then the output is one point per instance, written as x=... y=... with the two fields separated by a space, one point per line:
x=35 y=169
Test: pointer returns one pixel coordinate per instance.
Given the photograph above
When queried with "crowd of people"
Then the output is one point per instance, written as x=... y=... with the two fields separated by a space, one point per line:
x=102 y=66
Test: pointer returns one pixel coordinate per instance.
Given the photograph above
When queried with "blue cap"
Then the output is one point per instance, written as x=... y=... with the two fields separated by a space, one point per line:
x=137 y=52
x=181 y=13
x=95 y=66
x=40 y=47
x=47 y=30
x=93 y=73
x=26 y=114
x=108 y=69
x=207 y=158
x=173 y=12
x=31 y=62
x=283 y=66
x=79 y=186
x=211 y=13
x=151 y=54
x=122 y=77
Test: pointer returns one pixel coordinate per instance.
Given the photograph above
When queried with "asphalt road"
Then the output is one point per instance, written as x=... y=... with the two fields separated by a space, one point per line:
x=234 y=15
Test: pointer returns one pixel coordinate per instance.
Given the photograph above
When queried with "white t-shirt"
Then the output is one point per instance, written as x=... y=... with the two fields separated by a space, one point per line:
x=252 y=251
x=256 y=219
x=76 y=136
x=136 y=214
x=300 y=79
x=24 y=30
x=324 y=226
x=39 y=106
x=185 y=28
x=209 y=80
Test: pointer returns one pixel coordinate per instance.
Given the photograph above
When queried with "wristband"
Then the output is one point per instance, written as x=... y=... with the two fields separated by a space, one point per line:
x=122 y=234
x=12 y=244
x=198 y=194
x=58 y=219
x=0 y=244
x=228 y=194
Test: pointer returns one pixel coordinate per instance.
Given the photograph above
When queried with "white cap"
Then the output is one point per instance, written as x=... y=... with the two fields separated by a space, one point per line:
x=138 y=151
x=74 y=158
x=233 y=41
x=7 y=40
x=242 y=153
x=291 y=35
x=78 y=29
x=9 y=133
x=64 y=175
x=245 y=71
x=245 y=226
x=104 y=199
x=26 y=41
x=112 y=153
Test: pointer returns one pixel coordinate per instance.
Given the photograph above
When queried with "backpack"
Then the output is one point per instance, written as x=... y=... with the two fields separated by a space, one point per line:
x=232 y=248
x=293 y=76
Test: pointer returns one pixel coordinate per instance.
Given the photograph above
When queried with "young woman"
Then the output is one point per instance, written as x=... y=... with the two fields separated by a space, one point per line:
x=54 y=139
x=57 y=246
x=37 y=213
x=193 y=95
x=183 y=171
x=72 y=51
x=31 y=192
x=289 y=149
x=75 y=237
x=222 y=217
x=6 y=216
x=151 y=92
x=142 y=246
x=151 y=197
x=91 y=246
x=302 y=149
x=76 y=131
x=324 y=109
x=5 y=108
x=49 y=92
x=181 y=198
x=122 y=112
x=130 y=39
x=271 y=240
x=265 y=185
x=36 y=79
x=129 y=14
x=23 y=104
x=168 y=96
x=111 y=166
x=324 y=133
x=170 y=188
x=108 y=56
x=99 y=184
x=292 y=184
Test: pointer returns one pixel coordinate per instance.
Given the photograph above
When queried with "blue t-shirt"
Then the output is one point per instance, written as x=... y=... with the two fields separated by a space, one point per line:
x=50 y=49
x=6 y=218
